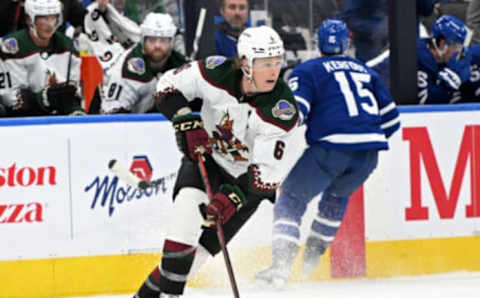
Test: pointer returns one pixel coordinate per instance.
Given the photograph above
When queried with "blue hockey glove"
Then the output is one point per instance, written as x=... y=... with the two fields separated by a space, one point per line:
x=457 y=70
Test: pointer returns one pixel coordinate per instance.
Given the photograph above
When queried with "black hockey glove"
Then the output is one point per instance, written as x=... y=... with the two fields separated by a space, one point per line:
x=61 y=98
x=190 y=135
x=3 y=111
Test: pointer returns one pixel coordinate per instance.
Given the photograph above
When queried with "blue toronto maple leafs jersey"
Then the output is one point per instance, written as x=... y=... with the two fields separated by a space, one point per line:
x=430 y=88
x=470 y=90
x=344 y=104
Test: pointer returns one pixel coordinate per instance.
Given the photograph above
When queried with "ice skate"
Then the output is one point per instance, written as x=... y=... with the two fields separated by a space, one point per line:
x=314 y=249
x=274 y=275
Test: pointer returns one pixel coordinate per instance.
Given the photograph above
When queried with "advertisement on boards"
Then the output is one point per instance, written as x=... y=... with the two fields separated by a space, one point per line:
x=58 y=198
x=428 y=184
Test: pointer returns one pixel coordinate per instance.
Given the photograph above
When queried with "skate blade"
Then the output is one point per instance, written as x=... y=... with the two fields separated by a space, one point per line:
x=275 y=284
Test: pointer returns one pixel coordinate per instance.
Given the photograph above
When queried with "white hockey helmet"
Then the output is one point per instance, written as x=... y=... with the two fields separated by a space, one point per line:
x=35 y=8
x=259 y=42
x=158 y=25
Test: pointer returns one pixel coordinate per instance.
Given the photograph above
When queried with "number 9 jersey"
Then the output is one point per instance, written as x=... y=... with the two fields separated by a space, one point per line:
x=344 y=104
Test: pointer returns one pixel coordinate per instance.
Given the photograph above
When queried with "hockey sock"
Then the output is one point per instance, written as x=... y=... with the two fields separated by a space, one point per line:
x=331 y=210
x=150 y=287
x=177 y=260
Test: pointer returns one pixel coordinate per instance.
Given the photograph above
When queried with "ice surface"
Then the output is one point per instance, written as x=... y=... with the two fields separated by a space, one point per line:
x=461 y=284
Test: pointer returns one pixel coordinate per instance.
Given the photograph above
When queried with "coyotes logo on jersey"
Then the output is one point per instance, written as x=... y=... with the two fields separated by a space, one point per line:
x=223 y=140
x=50 y=78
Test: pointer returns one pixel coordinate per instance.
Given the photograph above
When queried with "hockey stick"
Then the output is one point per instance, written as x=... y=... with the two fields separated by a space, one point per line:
x=466 y=43
x=220 y=234
x=76 y=34
x=198 y=32
x=18 y=9
x=125 y=175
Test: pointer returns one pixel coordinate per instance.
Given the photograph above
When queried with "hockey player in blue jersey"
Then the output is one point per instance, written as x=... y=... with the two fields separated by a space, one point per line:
x=443 y=62
x=349 y=116
x=470 y=90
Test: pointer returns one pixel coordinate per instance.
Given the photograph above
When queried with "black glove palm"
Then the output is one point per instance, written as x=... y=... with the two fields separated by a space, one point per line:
x=61 y=98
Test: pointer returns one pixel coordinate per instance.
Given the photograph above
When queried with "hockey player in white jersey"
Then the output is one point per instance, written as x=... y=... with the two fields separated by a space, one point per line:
x=108 y=33
x=132 y=80
x=246 y=124
x=349 y=116
x=41 y=72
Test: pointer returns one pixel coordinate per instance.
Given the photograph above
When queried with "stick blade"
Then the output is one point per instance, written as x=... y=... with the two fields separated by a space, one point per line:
x=123 y=173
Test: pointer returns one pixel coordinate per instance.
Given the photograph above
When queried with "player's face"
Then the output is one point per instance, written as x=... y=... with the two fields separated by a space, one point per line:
x=266 y=72
x=235 y=12
x=45 y=26
x=157 y=48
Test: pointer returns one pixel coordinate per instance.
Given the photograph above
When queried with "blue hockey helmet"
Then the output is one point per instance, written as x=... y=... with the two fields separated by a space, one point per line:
x=450 y=28
x=333 y=37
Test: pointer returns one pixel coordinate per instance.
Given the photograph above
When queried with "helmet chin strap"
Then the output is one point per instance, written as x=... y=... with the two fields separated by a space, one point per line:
x=32 y=27
x=440 y=53
x=34 y=30
x=249 y=76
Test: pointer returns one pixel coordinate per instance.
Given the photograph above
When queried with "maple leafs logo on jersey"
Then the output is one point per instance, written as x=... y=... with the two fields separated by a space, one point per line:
x=283 y=110
x=225 y=142
x=136 y=65
x=10 y=45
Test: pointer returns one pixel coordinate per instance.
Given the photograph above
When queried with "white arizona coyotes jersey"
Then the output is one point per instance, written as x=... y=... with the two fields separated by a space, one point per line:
x=247 y=134
x=29 y=66
x=131 y=84
x=115 y=27
x=108 y=34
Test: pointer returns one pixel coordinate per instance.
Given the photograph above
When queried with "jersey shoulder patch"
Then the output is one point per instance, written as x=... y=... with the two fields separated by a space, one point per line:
x=18 y=44
x=134 y=66
x=215 y=68
x=213 y=61
x=278 y=107
x=10 y=46
x=221 y=73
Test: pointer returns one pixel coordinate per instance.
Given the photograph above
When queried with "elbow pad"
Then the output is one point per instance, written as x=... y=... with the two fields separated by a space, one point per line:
x=170 y=103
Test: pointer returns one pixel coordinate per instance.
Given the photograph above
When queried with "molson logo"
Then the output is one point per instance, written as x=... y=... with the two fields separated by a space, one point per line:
x=14 y=176
x=108 y=192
